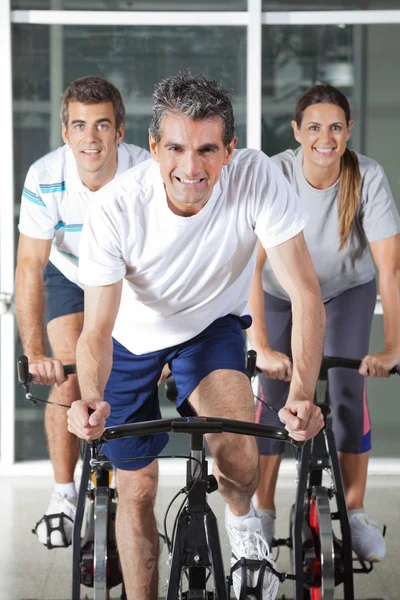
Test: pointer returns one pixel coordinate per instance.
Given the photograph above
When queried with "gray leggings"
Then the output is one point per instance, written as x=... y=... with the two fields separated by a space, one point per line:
x=348 y=326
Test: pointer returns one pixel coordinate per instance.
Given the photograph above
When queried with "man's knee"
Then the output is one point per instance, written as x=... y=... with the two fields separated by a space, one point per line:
x=63 y=333
x=69 y=390
x=138 y=489
x=237 y=459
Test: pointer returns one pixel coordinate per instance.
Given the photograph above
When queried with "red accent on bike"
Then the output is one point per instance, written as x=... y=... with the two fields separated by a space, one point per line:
x=316 y=594
x=314 y=524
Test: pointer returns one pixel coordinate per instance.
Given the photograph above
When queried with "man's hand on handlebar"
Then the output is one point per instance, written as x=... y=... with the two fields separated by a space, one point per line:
x=274 y=364
x=47 y=371
x=88 y=425
x=302 y=419
x=379 y=364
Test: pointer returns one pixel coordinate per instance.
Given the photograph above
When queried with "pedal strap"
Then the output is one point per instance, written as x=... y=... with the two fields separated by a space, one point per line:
x=50 y=528
x=262 y=565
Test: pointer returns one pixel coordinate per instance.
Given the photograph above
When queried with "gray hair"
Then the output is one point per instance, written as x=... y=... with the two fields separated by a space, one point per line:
x=195 y=97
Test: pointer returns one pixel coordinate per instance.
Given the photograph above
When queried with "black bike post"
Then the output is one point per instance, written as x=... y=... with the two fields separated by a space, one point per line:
x=190 y=527
x=197 y=544
x=330 y=453
x=347 y=552
x=297 y=533
x=76 y=534
x=197 y=505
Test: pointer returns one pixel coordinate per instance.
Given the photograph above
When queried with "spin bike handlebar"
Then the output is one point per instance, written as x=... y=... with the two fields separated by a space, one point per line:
x=331 y=362
x=328 y=362
x=196 y=425
x=24 y=377
x=192 y=425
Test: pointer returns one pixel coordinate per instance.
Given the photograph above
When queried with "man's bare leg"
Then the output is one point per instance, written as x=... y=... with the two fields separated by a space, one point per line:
x=63 y=334
x=222 y=393
x=136 y=529
x=226 y=393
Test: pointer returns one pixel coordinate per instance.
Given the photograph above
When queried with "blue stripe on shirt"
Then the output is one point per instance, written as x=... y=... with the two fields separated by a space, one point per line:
x=49 y=188
x=75 y=227
x=32 y=197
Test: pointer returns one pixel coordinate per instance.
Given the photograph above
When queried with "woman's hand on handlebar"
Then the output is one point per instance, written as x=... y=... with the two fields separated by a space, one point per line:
x=47 y=371
x=87 y=418
x=302 y=419
x=274 y=364
x=379 y=364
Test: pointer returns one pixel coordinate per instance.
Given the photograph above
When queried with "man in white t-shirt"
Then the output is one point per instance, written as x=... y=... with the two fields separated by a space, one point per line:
x=170 y=246
x=57 y=192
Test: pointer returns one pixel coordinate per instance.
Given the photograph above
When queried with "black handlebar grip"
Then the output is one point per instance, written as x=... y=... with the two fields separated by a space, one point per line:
x=25 y=377
x=395 y=370
x=23 y=369
x=69 y=370
x=170 y=390
x=251 y=363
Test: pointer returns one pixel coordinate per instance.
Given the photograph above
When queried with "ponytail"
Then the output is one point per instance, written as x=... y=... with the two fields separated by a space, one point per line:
x=349 y=194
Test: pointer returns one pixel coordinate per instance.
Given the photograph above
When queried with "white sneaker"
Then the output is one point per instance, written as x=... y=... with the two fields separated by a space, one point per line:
x=368 y=542
x=60 y=514
x=268 y=527
x=248 y=541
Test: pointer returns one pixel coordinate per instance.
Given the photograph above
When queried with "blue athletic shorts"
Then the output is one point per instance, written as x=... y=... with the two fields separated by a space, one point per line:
x=132 y=388
x=63 y=296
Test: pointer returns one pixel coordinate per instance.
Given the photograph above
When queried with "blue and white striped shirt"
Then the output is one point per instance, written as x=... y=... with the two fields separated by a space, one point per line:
x=54 y=203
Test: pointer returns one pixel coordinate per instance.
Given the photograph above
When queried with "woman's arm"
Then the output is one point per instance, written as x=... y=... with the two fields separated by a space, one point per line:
x=274 y=364
x=386 y=254
x=294 y=270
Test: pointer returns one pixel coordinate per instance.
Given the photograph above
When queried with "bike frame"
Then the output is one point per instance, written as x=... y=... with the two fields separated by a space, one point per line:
x=317 y=455
x=196 y=545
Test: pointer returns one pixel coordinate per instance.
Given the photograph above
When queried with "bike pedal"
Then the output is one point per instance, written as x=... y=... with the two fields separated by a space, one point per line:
x=276 y=543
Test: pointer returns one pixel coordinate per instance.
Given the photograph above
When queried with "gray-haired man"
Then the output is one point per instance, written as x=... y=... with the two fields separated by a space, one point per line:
x=183 y=232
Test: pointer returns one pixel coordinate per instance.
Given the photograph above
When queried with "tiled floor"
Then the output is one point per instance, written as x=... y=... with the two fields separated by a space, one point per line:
x=28 y=571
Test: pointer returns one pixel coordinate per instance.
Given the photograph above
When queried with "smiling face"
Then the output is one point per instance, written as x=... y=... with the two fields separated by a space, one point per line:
x=191 y=155
x=92 y=135
x=323 y=134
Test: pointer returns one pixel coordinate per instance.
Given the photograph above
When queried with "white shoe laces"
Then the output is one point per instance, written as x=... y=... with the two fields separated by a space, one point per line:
x=249 y=544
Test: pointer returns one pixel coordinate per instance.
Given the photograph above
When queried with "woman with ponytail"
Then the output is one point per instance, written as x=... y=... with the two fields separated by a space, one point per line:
x=352 y=216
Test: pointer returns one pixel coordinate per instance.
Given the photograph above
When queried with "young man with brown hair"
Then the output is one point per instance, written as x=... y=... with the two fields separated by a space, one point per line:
x=58 y=190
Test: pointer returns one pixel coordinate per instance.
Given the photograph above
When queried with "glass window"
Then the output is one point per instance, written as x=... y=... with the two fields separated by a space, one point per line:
x=131 y=5
x=134 y=59
x=304 y=5
x=294 y=59
x=382 y=93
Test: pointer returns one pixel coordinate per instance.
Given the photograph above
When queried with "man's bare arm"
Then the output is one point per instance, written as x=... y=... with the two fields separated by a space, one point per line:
x=94 y=360
x=32 y=258
x=94 y=348
x=292 y=266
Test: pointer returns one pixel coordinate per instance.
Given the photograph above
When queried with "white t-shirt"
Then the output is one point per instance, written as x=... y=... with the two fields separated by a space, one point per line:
x=183 y=273
x=54 y=202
